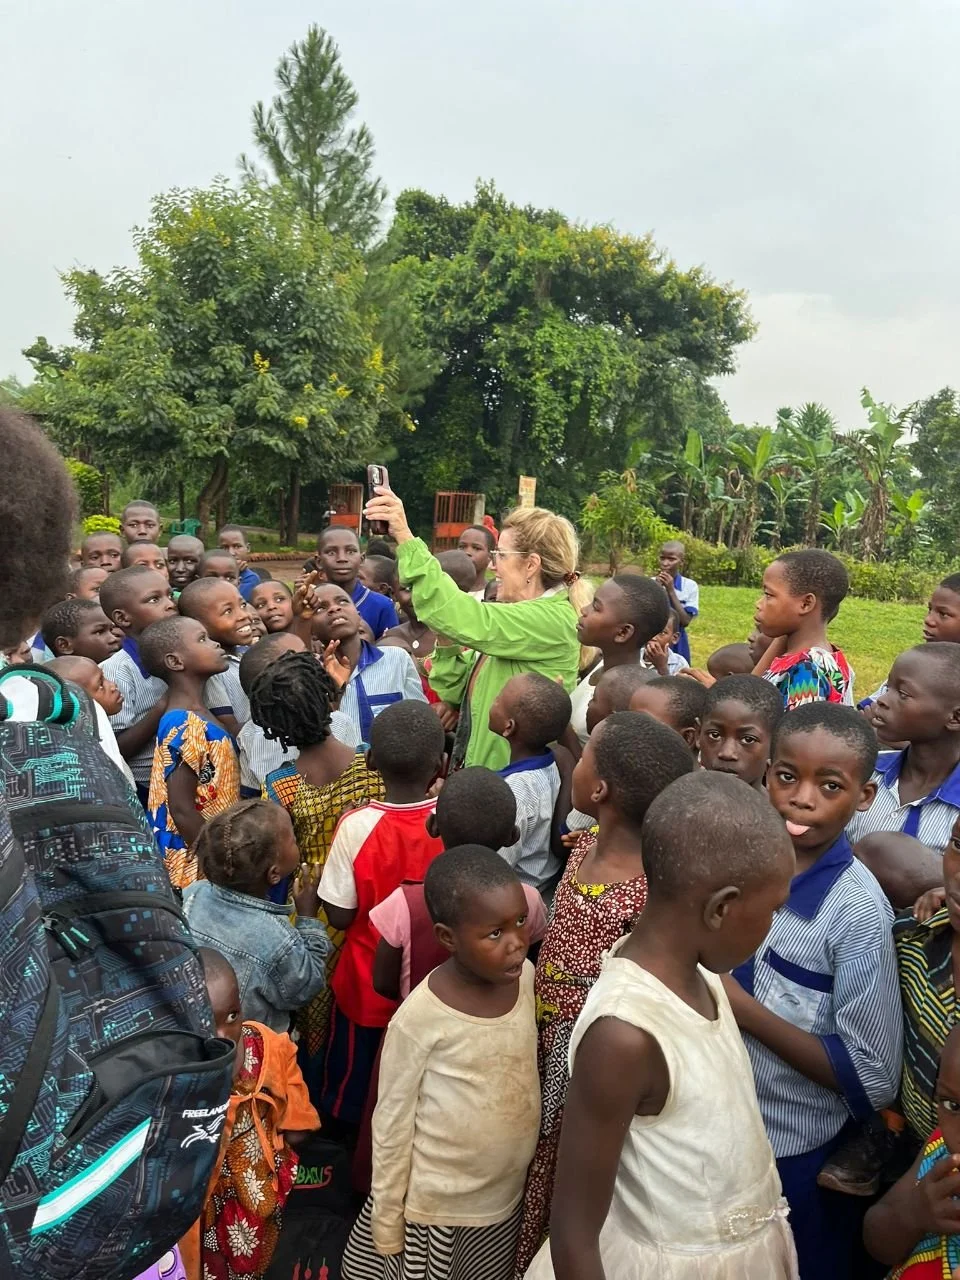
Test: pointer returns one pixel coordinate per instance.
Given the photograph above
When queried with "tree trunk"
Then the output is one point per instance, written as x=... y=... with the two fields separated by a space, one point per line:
x=293 y=510
x=282 y=531
x=721 y=521
x=223 y=504
x=182 y=500
x=209 y=495
x=106 y=492
x=813 y=515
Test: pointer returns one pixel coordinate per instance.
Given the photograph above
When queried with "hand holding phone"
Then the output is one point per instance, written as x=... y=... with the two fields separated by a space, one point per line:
x=377 y=478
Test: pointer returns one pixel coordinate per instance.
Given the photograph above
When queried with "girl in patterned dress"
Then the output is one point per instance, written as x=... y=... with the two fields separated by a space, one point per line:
x=292 y=700
x=269 y=1114
x=915 y=1228
x=195 y=773
x=627 y=762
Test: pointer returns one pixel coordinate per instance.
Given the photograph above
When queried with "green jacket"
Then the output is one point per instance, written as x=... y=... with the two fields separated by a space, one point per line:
x=531 y=635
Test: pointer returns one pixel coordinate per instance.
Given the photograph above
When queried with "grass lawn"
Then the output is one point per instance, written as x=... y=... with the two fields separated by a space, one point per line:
x=869 y=632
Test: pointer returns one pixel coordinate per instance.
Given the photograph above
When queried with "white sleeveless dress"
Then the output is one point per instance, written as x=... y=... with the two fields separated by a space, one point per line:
x=697 y=1195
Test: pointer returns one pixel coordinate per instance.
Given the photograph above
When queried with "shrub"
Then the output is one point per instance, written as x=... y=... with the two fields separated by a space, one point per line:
x=100 y=524
x=89 y=485
x=643 y=530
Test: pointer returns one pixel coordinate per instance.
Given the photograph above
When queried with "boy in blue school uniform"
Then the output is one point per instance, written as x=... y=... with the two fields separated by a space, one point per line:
x=531 y=712
x=339 y=559
x=132 y=599
x=683 y=593
x=918 y=788
x=819 y=1001
x=232 y=538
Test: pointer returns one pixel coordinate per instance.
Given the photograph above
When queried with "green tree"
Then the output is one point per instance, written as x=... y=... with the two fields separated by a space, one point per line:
x=306 y=138
x=935 y=453
x=618 y=519
x=785 y=491
x=810 y=441
x=236 y=341
x=875 y=450
x=843 y=519
x=561 y=348
x=11 y=391
x=755 y=462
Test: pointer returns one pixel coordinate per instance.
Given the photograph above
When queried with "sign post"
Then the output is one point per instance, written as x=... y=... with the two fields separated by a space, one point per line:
x=528 y=491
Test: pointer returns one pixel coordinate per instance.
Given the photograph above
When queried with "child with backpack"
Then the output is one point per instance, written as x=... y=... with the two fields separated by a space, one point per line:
x=195 y=771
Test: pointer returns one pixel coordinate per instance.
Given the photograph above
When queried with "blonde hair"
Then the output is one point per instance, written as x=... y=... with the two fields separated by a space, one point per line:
x=553 y=538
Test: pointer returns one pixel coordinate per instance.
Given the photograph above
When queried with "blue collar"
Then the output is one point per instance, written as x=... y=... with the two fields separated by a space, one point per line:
x=678 y=582
x=369 y=654
x=527 y=766
x=132 y=650
x=890 y=766
x=360 y=593
x=809 y=889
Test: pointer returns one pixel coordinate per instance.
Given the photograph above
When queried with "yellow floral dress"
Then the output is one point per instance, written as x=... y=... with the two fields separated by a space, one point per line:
x=315 y=812
x=208 y=751
x=587 y=920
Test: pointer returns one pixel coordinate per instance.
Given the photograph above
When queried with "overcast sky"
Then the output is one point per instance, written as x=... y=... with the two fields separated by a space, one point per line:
x=806 y=151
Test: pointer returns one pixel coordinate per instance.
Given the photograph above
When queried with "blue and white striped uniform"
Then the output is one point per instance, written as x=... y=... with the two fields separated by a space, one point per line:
x=223 y=693
x=260 y=755
x=536 y=784
x=141 y=693
x=930 y=818
x=381 y=676
x=828 y=966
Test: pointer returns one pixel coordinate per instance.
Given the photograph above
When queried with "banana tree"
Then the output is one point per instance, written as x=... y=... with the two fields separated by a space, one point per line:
x=875 y=450
x=785 y=493
x=841 y=523
x=755 y=463
x=811 y=433
x=906 y=518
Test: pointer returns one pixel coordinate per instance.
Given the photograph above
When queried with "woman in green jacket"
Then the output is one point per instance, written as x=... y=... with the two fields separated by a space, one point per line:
x=532 y=627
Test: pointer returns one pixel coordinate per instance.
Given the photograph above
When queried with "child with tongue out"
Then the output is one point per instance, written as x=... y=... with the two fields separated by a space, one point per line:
x=818 y=1003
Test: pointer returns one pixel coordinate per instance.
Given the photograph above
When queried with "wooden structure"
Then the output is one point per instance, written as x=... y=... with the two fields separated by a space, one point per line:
x=346 y=502
x=452 y=513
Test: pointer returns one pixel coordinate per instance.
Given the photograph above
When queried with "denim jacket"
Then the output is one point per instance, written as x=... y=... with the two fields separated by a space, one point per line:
x=279 y=966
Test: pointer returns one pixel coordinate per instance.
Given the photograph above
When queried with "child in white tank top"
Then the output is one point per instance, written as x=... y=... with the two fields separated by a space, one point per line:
x=664 y=1167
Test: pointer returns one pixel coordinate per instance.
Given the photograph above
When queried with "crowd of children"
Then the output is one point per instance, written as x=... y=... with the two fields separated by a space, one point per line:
x=651 y=999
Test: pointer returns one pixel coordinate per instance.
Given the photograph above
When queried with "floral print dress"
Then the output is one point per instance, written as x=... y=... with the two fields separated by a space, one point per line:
x=207 y=750
x=587 y=920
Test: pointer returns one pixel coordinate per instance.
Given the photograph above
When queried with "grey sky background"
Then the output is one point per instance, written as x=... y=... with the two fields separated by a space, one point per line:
x=806 y=151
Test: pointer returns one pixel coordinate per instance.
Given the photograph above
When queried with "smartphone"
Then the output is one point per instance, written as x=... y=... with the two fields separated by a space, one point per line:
x=377 y=478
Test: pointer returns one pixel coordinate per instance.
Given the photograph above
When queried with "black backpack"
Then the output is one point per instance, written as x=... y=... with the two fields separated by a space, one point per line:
x=113 y=1089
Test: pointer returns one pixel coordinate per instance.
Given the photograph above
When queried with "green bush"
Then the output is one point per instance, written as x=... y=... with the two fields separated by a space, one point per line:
x=722 y=567
x=89 y=485
x=100 y=524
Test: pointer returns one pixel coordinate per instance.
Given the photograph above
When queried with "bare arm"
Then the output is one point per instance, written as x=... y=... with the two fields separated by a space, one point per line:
x=133 y=740
x=340 y=917
x=386 y=970
x=804 y=1051
x=182 y=799
x=911 y=1209
x=617 y=1069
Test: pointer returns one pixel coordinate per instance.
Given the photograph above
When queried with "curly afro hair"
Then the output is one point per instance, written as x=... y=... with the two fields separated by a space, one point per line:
x=38 y=507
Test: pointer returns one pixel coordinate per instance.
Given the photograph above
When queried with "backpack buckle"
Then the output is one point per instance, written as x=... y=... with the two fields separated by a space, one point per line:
x=68 y=934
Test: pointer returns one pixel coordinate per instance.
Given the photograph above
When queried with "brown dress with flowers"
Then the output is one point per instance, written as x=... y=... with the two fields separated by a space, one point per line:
x=587 y=920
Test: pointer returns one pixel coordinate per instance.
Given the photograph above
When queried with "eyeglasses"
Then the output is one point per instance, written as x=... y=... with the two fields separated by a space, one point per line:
x=497 y=554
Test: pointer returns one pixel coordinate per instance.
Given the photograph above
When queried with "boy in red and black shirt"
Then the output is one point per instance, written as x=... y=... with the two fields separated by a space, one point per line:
x=374 y=851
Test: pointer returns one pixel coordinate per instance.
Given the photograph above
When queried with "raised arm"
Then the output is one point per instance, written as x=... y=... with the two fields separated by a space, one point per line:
x=519 y=631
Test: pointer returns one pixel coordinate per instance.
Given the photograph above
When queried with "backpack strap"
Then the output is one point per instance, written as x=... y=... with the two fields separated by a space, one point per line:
x=27 y=1088
x=57 y=702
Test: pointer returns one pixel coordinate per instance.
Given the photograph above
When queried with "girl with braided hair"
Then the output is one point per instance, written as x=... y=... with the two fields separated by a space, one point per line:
x=280 y=966
x=293 y=701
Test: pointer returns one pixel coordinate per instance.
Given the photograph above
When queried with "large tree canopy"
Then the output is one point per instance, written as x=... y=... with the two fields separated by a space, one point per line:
x=560 y=346
x=237 y=342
